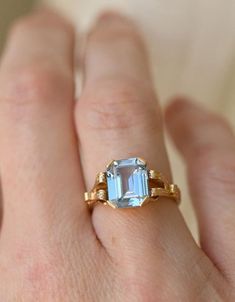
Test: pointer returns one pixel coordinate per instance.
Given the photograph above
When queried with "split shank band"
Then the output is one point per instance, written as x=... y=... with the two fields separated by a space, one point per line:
x=128 y=183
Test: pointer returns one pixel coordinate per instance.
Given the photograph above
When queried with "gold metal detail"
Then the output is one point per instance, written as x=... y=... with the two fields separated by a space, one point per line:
x=158 y=187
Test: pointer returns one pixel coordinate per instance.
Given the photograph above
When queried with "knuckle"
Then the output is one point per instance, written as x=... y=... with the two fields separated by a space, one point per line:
x=219 y=169
x=32 y=85
x=117 y=108
x=210 y=124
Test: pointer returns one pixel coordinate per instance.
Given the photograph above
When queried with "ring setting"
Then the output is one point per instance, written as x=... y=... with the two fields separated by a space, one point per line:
x=128 y=183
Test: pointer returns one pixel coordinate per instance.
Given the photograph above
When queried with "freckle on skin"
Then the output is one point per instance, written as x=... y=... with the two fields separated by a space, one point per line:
x=21 y=254
x=114 y=240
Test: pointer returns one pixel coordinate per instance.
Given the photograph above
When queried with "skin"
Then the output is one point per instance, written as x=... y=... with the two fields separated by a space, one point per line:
x=51 y=247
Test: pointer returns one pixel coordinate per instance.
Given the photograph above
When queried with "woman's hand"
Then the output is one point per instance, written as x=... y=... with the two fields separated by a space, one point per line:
x=51 y=247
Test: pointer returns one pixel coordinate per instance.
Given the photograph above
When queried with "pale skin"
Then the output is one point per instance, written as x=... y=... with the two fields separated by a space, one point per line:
x=51 y=247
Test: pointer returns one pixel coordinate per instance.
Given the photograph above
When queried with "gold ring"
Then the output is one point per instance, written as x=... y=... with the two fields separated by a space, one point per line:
x=128 y=183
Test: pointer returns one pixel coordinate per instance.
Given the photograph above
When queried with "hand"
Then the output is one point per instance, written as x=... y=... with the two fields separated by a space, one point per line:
x=52 y=248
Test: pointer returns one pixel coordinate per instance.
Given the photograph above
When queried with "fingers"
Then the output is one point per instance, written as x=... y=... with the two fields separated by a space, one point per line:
x=40 y=171
x=118 y=117
x=208 y=145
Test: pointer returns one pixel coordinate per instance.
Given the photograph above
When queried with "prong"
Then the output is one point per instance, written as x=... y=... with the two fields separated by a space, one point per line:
x=143 y=160
x=146 y=201
x=110 y=163
x=111 y=204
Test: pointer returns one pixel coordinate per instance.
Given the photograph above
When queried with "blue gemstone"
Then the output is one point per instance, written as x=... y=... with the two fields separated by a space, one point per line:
x=127 y=181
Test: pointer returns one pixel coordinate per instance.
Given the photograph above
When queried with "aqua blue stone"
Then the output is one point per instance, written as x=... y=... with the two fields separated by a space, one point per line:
x=127 y=181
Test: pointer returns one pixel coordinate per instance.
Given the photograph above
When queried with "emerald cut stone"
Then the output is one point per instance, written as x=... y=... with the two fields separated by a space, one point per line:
x=127 y=181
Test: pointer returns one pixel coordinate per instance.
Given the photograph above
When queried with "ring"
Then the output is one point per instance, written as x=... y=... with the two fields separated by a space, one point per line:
x=128 y=183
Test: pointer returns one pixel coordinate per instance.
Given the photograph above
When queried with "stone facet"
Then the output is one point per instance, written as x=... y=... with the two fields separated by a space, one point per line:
x=127 y=181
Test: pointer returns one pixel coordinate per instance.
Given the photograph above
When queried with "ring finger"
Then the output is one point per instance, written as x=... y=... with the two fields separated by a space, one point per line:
x=118 y=117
